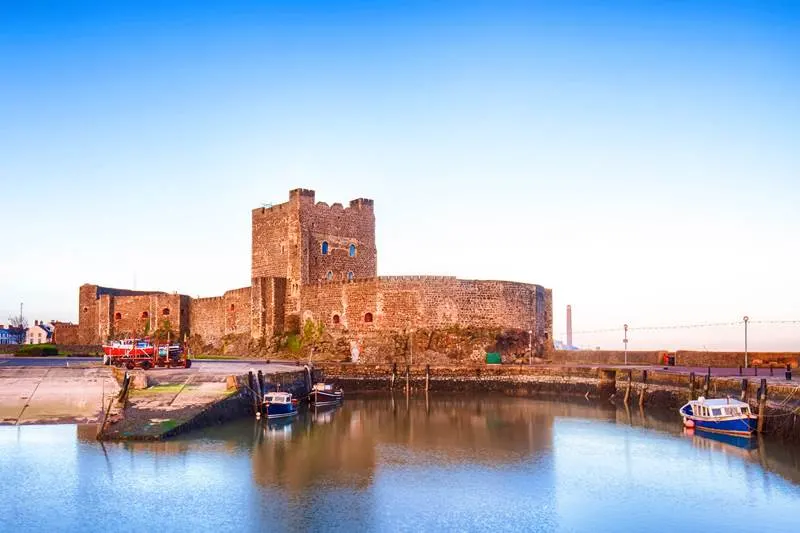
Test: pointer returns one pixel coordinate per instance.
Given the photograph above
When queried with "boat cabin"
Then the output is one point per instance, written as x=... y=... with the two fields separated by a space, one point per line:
x=278 y=397
x=718 y=408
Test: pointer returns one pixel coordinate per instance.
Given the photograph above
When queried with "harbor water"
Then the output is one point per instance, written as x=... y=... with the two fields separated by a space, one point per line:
x=392 y=463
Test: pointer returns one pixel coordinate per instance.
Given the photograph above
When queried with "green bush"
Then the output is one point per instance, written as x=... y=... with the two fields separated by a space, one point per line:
x=36 y=350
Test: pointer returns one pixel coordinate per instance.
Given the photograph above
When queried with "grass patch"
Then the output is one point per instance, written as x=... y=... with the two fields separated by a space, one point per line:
x=160 y=389
x=36 y=350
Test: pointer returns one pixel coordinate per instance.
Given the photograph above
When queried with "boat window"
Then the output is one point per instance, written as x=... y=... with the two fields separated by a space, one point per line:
x=716 y=412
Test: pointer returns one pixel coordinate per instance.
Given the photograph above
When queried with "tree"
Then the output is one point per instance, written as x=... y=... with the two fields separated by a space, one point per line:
x=19 y=322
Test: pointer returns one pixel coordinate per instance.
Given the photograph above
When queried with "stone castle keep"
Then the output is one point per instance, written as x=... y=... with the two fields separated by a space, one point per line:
x=318 y=263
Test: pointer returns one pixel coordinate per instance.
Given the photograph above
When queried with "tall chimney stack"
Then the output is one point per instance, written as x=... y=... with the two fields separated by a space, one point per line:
x=569 y=326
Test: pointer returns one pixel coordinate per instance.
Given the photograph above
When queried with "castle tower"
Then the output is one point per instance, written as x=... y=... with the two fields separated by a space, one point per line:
x=304 y=242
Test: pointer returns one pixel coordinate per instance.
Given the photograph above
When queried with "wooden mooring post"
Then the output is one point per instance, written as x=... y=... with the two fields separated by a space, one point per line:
x=643 y=393
x=408 y=386
x=628 y=388
x=691 y=385
x=251 y=384
x=427 y=377
x=762 y=405
x=743 y=395
x=260 y=380
x=707 y=383
x=394 y=376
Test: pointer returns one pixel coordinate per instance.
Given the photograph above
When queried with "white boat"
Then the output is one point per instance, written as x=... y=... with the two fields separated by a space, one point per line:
x=721 y=415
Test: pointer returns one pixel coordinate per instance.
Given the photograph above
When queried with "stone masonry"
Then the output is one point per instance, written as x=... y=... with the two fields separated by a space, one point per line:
x=312 y=261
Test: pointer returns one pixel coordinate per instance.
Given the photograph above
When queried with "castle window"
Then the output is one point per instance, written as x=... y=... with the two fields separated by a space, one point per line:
x=145 y=314
x=117 y=316
x=329 y=275
x=233 y=307
x=85 y=309
x=350 y=276
x=165 y=311
x=336 y=319
x=352 y=250
x=368 y=317
x=324 y=247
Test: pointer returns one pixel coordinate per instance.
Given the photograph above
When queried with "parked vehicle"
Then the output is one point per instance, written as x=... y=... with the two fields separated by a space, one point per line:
x=141 y=353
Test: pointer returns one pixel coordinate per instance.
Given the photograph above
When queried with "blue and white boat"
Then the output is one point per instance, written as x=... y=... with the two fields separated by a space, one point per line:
x=722 y=415
x=278 y=405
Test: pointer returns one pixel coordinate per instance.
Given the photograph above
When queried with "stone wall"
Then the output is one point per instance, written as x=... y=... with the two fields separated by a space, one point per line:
x=734 y=359
x=65 y=333
x=406 y=302
x=339 y=228
x=607 y=357
x=682 y=358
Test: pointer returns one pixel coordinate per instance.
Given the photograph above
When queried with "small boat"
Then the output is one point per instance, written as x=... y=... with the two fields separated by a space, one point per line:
x=721 y=415
x=278 y=405
x=325 y=394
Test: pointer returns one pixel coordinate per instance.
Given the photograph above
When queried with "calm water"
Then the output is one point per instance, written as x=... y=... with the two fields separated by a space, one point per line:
x=383 y=464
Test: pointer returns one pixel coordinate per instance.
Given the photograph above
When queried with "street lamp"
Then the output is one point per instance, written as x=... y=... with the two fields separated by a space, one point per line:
x=530 y=346
x=625 y=342
x=746 y=320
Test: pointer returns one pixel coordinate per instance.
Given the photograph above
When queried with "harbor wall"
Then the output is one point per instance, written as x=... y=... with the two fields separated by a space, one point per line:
x=665 y=389
x=687 y=358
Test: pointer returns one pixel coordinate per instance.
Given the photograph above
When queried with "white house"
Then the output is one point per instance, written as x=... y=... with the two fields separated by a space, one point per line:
x=39 y=333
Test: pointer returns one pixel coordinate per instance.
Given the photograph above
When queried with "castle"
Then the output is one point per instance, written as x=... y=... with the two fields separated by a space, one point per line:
x=317 y=262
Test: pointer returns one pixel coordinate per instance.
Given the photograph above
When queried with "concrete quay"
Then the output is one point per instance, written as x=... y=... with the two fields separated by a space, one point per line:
x=158 y=403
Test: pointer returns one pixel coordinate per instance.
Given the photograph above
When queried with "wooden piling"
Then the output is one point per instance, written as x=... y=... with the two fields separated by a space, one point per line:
x=251 y=384
x=706 y=385
x=427 y=377
x=644 y=389
x=762 y=405
x=691 y=385
x=408 y=386
x=394 y=376
x=743 y=395
x=628 y=388
x=260 y=381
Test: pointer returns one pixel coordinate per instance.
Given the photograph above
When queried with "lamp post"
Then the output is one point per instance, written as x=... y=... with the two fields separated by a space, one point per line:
x=625 y=342
x=746 y=320
x=530 y=346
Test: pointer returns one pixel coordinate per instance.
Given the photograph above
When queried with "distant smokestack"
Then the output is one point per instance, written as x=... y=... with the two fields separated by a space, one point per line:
x=569 y=326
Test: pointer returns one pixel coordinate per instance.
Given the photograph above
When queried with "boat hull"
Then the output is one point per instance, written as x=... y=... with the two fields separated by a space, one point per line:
x=735 y=426
x=280 y=410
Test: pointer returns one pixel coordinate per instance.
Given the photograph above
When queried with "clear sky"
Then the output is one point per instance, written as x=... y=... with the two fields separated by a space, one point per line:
x=642 y=159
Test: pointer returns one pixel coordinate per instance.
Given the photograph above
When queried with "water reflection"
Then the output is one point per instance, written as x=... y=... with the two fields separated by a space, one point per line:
x=397 y=463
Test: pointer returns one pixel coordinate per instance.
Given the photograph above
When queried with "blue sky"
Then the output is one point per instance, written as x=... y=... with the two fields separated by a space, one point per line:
x=640 y=158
